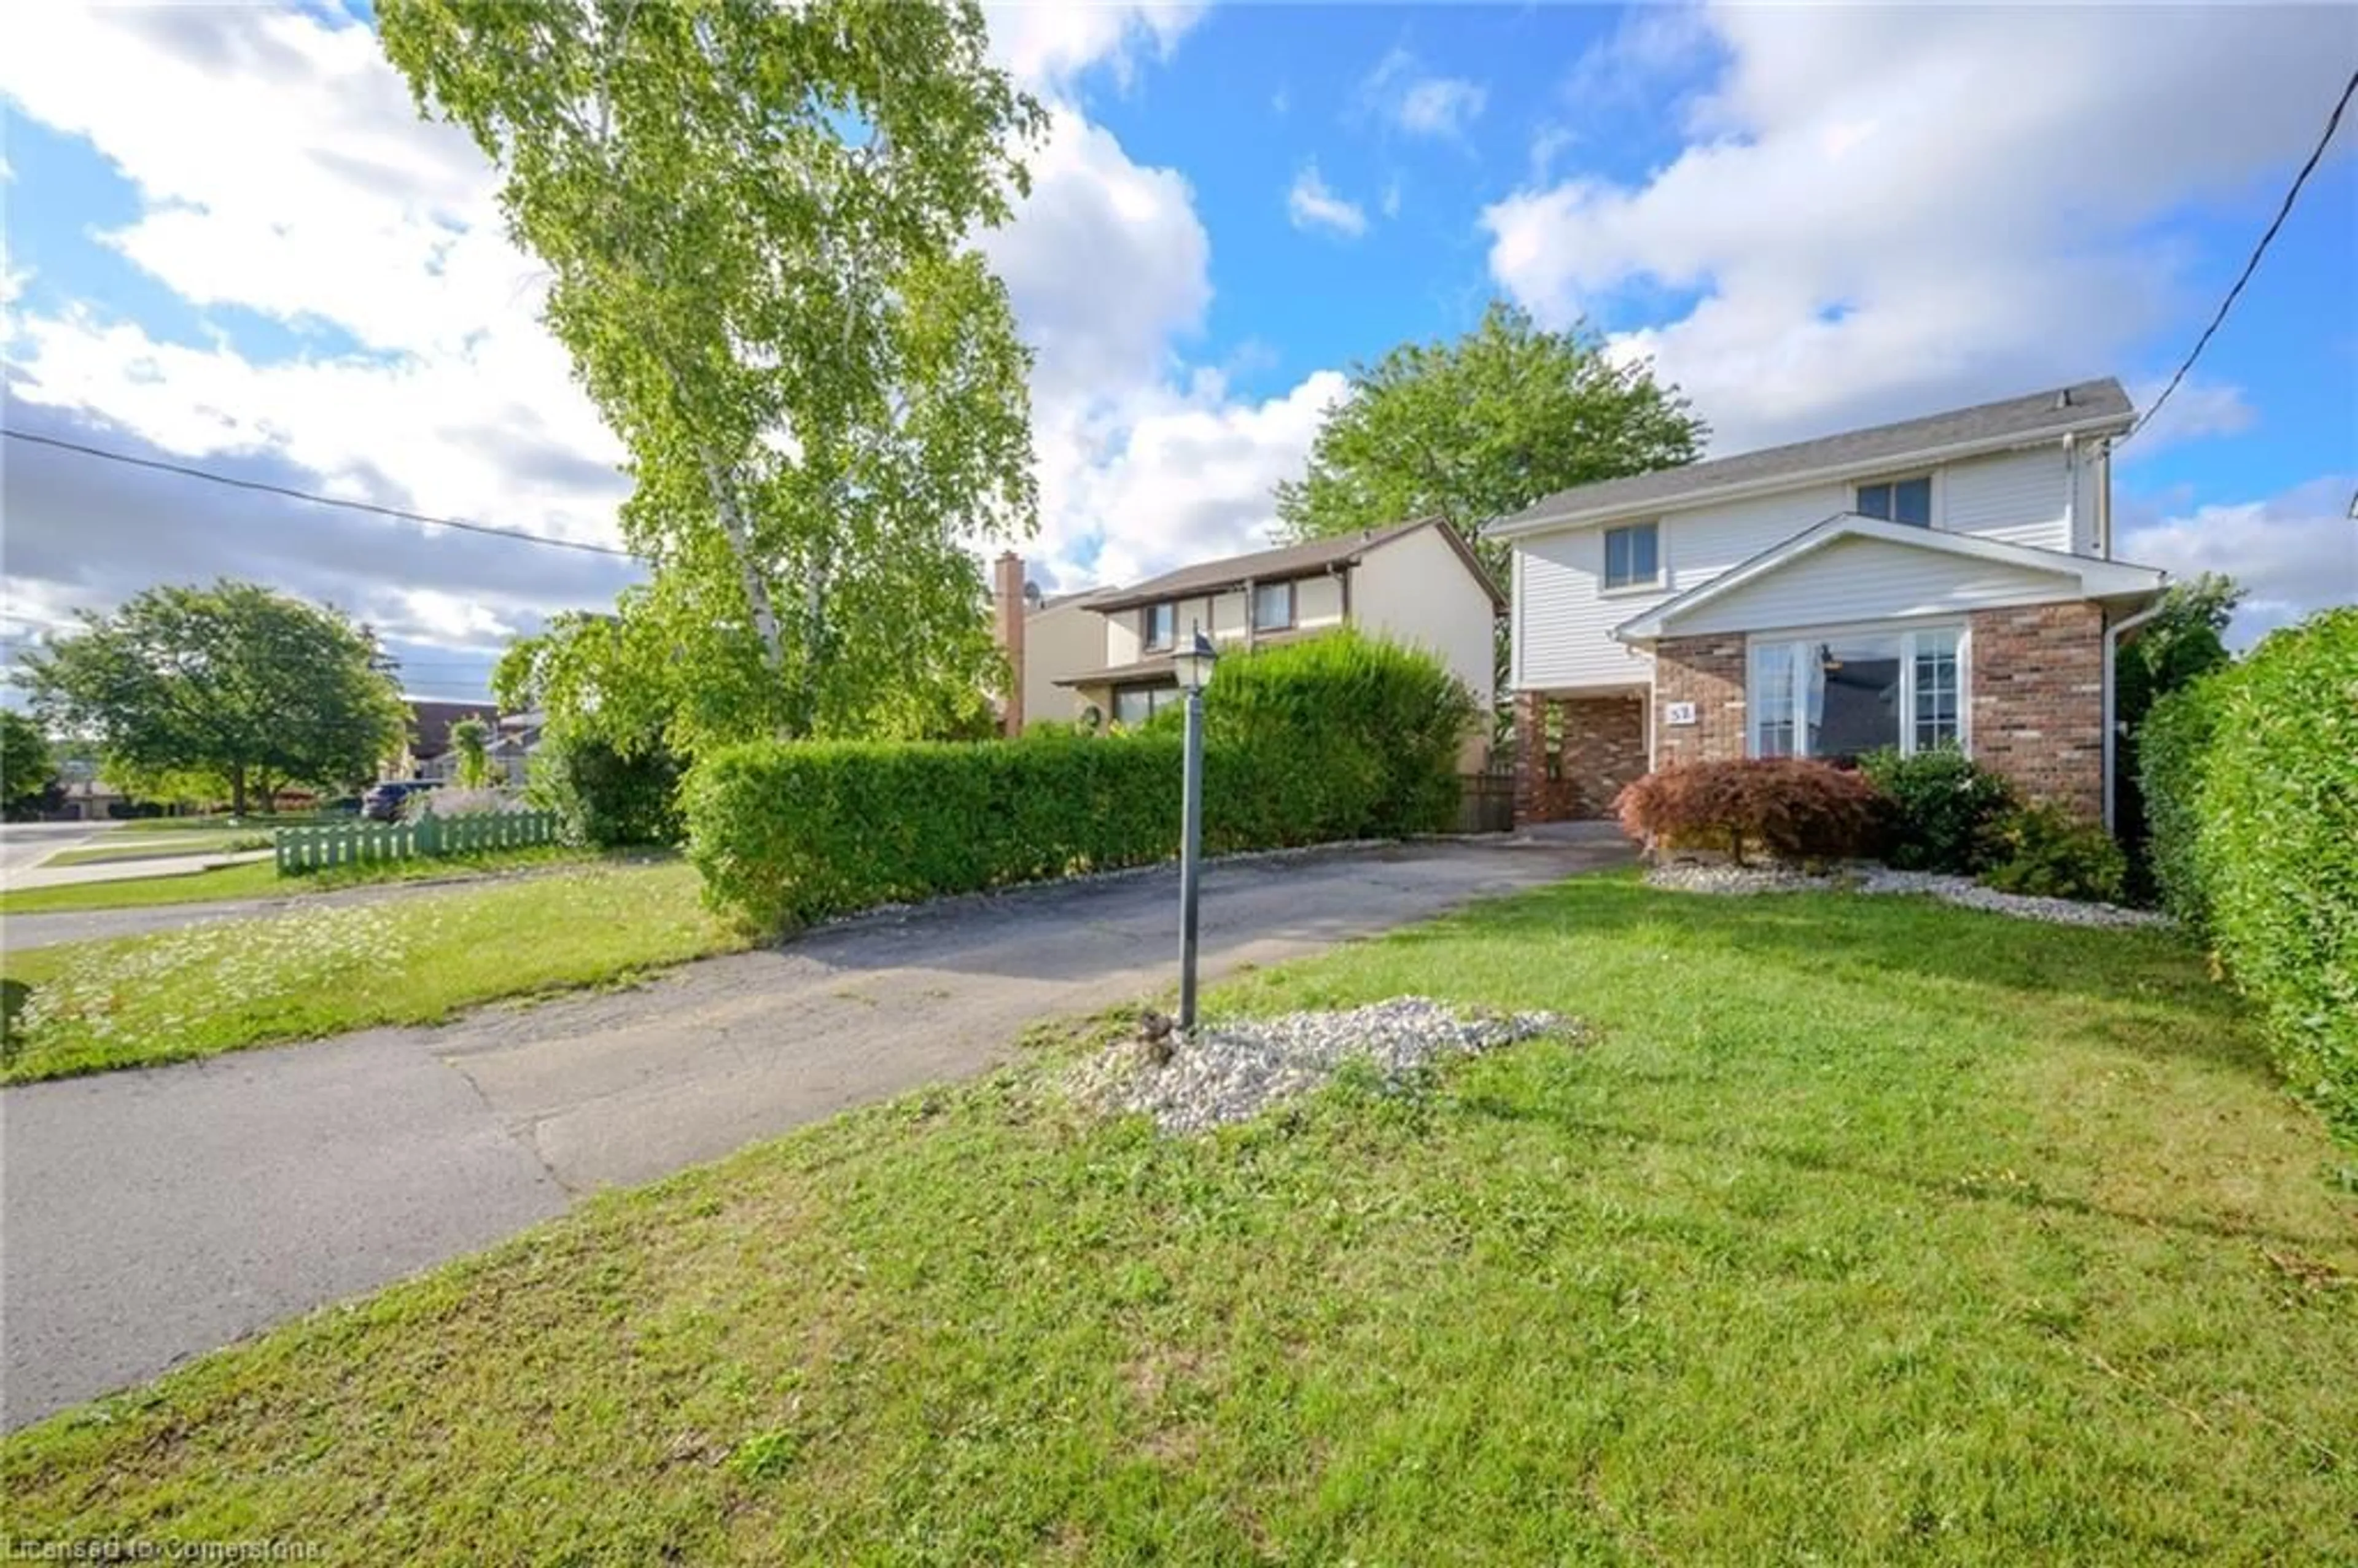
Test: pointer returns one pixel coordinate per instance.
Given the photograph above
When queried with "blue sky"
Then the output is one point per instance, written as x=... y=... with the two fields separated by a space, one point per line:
x=229 y=242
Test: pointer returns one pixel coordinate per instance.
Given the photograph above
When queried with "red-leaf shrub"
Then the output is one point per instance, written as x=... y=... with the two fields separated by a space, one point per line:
x=1793 y=810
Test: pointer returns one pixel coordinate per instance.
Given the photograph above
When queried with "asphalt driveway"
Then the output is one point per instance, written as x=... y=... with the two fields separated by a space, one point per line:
x=147 y=1217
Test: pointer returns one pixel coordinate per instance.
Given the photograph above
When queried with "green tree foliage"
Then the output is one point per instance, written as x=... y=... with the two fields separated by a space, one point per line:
x=759 y=225
x=235 y=684
x=2182 y=642
x=2254 y=777
x=1474 y=429
x=471 y=738
x=26 y=765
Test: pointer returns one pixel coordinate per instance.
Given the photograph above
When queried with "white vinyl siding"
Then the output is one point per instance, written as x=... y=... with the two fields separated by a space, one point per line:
x=1563 y=626
x=2015 y=496
x=1564 y=616
x=1416 y=590
x=1867 y=579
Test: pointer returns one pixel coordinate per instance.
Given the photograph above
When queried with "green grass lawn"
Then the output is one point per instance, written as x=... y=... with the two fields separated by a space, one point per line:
x=260 y=878
x=203 y=989
x=1855 y=1230
x=154 y=846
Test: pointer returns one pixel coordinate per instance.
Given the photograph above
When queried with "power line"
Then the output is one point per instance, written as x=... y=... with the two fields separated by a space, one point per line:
x=2332 y=123
x=317 y=500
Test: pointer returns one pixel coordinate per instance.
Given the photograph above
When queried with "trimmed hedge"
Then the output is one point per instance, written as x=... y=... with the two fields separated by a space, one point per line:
x=2170 y=747
x=1793 y=809
x=2252 y=777
x=1332 y=739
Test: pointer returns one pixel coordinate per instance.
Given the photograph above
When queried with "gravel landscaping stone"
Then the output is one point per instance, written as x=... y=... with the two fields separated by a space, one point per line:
x=1233 y=1069
x=1866 y=877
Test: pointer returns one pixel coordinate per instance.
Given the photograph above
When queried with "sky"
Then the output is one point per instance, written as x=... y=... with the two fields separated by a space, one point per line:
x=229 y=242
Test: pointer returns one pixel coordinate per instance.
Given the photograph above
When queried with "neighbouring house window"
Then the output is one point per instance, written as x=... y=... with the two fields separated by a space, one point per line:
x=1906 y=500
x=1840 y=695
x=1632 y=555
x=1160 y=627
x=1134 y=705
x=1273 y=606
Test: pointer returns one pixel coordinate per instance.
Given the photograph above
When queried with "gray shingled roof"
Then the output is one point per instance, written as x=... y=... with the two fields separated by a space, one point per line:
x=2028 y=418
x=1231 y=571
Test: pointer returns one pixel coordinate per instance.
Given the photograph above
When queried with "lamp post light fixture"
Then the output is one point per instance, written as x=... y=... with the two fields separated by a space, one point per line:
x=1193 y=664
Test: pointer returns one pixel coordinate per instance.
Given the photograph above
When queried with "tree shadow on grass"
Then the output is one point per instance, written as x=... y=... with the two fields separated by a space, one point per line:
x=1946 y=1189
x=2151 y=991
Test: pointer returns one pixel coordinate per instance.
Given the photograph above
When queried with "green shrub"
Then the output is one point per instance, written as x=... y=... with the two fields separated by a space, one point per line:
x=2277 y=846
x=1793 y=809
x=1340 y=736
x=1332 y=739
x=605 y=796
x=1940 y=807
x=2172 y=745
x=2047 y=852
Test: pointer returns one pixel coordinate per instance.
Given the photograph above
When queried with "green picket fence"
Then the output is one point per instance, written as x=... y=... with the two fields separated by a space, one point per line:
x=351 y=843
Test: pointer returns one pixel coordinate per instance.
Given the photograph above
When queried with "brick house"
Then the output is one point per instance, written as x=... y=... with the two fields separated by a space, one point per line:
x=1947 y=580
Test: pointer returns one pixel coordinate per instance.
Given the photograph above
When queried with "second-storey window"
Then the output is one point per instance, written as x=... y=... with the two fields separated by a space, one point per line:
x=1159 y=625
x=1906 y=500
x=1273 y=606
x=1633 y=555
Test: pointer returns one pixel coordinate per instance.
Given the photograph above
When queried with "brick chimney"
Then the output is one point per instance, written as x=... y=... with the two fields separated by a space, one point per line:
x=1007 y=591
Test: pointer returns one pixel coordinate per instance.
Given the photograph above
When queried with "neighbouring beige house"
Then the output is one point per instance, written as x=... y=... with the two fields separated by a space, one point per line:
x=1105 y=656
x=1942 y=581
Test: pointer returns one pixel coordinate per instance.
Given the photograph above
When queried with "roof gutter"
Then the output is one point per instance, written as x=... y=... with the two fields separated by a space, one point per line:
x=1746 y=488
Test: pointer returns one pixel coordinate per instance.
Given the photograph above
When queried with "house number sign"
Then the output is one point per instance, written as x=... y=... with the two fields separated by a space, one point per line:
x=1679 y=712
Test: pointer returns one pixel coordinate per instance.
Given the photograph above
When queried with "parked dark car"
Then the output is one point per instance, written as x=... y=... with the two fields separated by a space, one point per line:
x=382 y=802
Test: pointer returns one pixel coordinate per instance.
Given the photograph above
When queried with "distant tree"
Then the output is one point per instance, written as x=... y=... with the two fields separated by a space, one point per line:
x=28 y=766
x=1473 y=429
x=471 y=738
x=234 y=683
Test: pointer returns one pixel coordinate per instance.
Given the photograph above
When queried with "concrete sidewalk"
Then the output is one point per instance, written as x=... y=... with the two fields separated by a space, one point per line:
x=151 y=1215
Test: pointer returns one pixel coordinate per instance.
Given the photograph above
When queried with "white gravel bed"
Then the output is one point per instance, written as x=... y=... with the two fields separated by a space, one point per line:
x=1866 y=877
x=1233 y=1069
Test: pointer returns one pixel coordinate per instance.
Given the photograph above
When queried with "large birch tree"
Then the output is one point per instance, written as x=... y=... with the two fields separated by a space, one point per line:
x=758 y=220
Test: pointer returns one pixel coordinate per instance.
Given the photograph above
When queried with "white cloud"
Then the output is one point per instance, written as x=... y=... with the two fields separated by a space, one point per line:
x=280 y=168
x=1882 y=211
x=1392 y=202
x=1052 y=44
x=2295 y=552
x=2197 y=410
x=1441 y=106
x=1419 y=103
x=1311 y=205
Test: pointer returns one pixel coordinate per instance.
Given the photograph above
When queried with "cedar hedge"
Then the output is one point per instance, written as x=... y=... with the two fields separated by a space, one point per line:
x=1311 y=742
x=2251 y=777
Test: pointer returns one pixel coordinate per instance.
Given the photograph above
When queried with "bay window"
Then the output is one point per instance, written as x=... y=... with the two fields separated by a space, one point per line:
x=1838 y=695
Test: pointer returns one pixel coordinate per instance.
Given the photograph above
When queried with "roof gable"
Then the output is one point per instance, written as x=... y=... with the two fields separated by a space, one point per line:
x=2085 y=407
x=1877 y=571
x=1306 y=559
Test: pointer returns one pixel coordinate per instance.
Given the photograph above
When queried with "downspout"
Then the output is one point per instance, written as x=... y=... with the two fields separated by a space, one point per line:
x=2070 y=492
x=2112 y=740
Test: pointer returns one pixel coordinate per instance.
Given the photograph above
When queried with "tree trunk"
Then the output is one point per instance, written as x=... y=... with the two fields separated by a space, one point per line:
x=237 y=790
x=740 y=544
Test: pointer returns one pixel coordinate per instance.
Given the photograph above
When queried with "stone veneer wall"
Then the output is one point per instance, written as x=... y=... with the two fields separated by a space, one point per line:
x=1601 y=746
x=2038 y=699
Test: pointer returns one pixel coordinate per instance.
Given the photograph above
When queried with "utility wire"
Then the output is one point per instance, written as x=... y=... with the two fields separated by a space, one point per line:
x=394 y=511
x=2332 y=123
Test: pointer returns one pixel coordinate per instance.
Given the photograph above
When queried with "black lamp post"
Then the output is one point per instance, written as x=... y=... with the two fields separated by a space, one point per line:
x=1193 y=664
